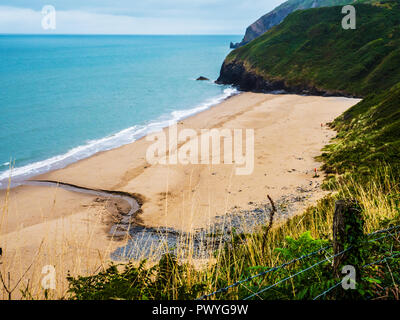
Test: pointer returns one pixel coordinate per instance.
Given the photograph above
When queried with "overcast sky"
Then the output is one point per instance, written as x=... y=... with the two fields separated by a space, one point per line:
x=134 y=17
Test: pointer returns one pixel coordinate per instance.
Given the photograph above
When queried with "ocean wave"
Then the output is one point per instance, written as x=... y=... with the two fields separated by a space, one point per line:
x=116 y=140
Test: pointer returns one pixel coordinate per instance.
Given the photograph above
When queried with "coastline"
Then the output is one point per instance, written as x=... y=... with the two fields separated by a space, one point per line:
x=288 y=135
x=107 y=143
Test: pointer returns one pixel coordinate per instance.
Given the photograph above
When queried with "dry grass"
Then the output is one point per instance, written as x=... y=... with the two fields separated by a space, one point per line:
x=72 y=256
x=380 y=206
x=55 y=242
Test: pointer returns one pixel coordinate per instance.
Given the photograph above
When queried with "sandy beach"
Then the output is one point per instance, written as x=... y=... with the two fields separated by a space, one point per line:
x=289 y=132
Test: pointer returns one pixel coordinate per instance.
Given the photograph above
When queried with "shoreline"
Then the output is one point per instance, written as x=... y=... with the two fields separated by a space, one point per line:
x=289 y=131
x=71 y=174
x=61 y=161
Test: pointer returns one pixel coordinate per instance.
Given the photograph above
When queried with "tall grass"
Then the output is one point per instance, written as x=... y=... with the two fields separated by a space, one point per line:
x=57 y=242
x=183 y=274
x=248 y=253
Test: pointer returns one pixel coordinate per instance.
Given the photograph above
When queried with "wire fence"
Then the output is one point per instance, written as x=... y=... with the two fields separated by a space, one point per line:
x=364 y=266
x=294 y=275
x=328 y=290
x=261 y=274
x=384 y=230
x=225 y=289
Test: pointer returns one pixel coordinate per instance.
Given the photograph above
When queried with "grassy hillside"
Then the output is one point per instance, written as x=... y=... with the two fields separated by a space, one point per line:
x=277 y=15
x=310 y=49
x=369 y=135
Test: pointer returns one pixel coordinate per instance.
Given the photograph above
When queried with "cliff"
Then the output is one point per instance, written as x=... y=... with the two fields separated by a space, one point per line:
x=277 y=15
x=310 y=52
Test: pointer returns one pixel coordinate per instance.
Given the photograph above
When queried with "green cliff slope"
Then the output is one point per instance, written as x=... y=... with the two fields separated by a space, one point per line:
x=369 y=136
x=277 y=15
x=310 y=51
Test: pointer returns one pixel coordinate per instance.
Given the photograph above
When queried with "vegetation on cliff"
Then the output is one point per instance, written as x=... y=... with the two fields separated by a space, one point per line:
x=277 y=15
x=369 y=135
x=310 y=51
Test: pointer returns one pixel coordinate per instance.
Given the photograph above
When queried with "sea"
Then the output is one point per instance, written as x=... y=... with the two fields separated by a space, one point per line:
x=64 y=98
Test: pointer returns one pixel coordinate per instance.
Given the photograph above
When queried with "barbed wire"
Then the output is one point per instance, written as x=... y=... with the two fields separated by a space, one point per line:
x=225 y=289
x=366 y=265
x=263 y=273
x=328 y=290
x=296 y=274
x=383 y=230
x=385 y=236
x=382 y=260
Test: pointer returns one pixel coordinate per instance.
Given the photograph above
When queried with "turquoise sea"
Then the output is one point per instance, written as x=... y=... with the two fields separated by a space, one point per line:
x=64 y=98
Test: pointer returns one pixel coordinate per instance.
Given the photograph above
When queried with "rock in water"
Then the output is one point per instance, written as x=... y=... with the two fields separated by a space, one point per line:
x=202 y=79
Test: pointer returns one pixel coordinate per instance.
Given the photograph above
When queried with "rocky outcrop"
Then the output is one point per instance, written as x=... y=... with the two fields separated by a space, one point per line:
x=201 y=78
x=235 y=73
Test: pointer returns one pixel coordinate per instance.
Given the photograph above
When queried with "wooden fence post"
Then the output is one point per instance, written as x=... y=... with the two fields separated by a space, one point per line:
x=348 y=233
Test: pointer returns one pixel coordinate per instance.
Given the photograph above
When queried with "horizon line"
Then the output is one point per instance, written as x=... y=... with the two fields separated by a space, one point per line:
x=119 y=34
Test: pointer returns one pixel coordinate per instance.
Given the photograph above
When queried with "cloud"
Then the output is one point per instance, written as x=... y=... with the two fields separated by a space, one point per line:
x=144 y=17
x=16 y=20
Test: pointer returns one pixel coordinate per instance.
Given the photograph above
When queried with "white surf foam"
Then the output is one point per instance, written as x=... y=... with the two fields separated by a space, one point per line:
x=92 y=147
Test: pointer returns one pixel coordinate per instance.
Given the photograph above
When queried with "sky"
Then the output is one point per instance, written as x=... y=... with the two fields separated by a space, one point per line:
x=132 y=16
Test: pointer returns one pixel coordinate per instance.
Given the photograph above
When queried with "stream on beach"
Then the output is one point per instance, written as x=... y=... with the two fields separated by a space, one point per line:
x=151 y=243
